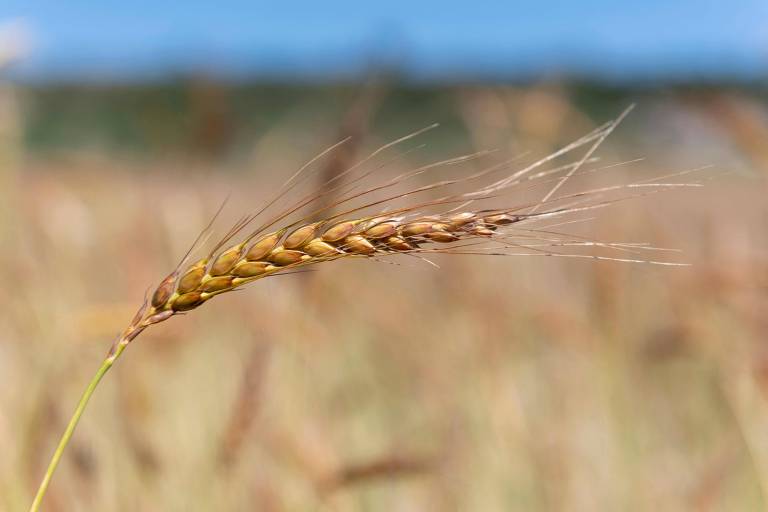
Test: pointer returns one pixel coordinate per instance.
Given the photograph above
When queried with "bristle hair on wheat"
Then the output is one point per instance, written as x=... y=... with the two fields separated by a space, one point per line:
x=458 y=223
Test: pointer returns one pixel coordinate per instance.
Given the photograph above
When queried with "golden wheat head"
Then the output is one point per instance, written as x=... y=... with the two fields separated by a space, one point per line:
x=458 y=223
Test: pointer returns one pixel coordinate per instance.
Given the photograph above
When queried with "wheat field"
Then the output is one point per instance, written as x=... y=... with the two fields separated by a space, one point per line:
x=477 y=383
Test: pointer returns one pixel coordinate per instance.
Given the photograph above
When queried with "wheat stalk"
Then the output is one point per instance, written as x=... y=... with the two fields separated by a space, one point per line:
x=457 y=227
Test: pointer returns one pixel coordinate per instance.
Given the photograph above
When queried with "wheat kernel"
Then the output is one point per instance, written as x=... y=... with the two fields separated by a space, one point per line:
x=226 y=261
x=191 y=280
x=263 y=247
x=319 y=248
x=482 y=231
x=300 y=237
x=383 y=230
x=461 y=219
x=217 y=284
x=187 y=301
x=500 y=219
x=358 y=245
x=398 y=244
x=441 y=236
x=415 y=229
x=339 y=231
x=282 y=257
x=250 y=269
x=164 y=291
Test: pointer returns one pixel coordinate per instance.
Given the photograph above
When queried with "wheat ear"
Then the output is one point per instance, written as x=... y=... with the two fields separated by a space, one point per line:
x=457 y=227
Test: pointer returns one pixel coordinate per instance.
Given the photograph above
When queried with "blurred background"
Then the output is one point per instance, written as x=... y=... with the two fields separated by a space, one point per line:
x=489 y=384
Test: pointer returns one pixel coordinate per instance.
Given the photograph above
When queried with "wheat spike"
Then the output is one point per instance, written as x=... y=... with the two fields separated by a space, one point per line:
x=461 y=225
x=315 y=243
x=459 y=229
x=403 y=231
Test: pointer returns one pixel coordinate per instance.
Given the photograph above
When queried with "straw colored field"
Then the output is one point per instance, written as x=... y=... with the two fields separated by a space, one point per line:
x=487 y=384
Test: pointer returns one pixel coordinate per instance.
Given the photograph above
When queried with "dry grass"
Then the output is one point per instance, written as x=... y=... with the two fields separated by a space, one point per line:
x=493 y=384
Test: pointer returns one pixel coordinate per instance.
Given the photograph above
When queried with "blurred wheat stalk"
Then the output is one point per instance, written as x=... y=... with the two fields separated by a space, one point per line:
x=452 y=223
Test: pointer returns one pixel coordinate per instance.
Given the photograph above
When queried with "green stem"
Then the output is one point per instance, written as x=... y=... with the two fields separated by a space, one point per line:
x=105 y=366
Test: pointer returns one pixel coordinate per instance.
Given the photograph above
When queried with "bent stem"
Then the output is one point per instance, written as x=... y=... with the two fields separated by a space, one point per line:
x=105 y=366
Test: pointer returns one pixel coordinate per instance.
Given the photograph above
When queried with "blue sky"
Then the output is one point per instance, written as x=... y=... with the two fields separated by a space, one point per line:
x=426 y=40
